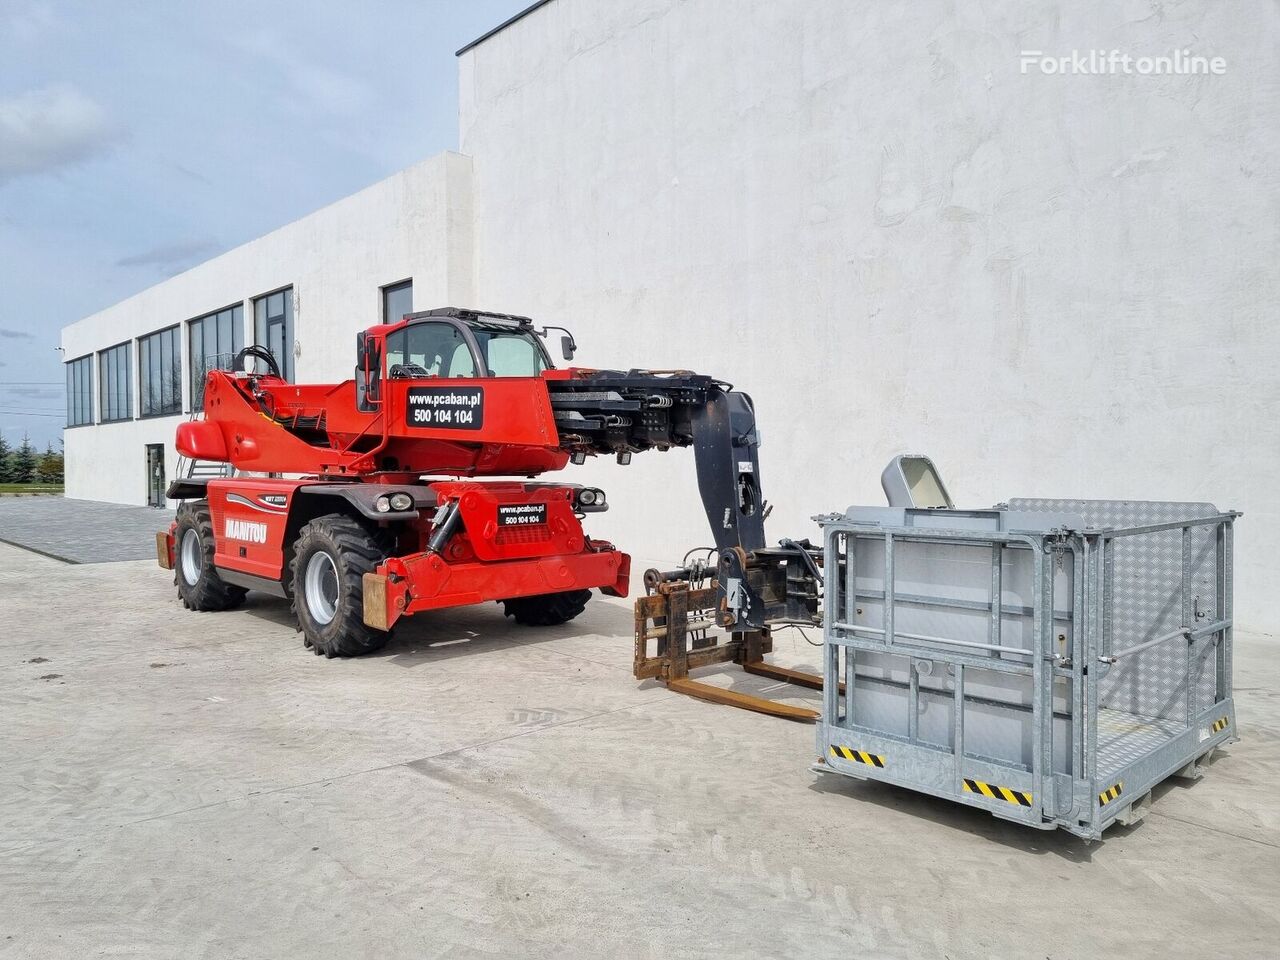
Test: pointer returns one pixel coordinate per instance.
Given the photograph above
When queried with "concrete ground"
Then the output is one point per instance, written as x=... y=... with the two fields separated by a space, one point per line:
x=193 y=785
x=81 y=531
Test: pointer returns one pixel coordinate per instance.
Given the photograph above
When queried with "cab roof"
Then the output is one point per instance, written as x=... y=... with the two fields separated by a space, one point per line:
x=489 y=318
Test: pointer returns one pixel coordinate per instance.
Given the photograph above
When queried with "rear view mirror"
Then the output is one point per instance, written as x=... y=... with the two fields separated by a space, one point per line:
x=568 y=346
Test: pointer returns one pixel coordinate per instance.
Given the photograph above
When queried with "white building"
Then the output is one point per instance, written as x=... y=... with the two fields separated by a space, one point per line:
x=877 y=219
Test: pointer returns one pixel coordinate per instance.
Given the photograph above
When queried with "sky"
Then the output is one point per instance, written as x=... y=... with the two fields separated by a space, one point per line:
x=139 y=138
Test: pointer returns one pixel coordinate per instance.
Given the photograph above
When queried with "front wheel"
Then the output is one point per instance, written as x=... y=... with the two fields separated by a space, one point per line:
x=199 y=585
x=330 y=558
x=548 y=609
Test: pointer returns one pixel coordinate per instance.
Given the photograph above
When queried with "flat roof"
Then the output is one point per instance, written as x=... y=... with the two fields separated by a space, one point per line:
x=502 y=26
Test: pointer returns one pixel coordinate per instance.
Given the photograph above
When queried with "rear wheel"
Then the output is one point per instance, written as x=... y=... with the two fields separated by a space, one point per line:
x=330 y=559
x=548 y=609
x=197 y=578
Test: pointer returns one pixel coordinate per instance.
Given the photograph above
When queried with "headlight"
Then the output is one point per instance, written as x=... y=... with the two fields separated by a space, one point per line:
x=383 y=504
x=401 y=502
x=591 y=499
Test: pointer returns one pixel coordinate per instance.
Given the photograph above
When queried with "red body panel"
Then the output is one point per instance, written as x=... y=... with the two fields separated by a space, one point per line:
x=249 y=520
x=488 y=537
x=201 y=440
x=426 y=582
x=516 y=539
x=516 y=435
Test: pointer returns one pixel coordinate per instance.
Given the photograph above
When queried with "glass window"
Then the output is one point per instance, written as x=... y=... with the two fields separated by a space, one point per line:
x=273 y=328
x=115 y=383
x=431 y=349
x=436 y=349
x=160 y=373
x=214 y=340
x=80 y=391
x=461 y=364
x=510 y=354
x=397 y=300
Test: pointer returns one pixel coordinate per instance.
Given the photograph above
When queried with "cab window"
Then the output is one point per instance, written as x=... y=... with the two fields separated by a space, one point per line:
x=511 y=354
x=430 y=349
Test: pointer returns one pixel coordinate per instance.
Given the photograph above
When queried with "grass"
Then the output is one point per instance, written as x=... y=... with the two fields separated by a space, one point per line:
x=11 y=488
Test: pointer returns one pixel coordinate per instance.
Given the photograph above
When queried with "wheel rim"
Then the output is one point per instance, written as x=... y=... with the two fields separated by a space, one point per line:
x=192 y=557
x=321 y=586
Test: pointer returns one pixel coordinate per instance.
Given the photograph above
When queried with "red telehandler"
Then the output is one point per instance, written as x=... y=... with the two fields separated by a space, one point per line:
x=362 y=502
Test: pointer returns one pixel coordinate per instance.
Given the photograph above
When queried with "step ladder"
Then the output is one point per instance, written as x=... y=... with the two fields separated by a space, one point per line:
x=207 y=470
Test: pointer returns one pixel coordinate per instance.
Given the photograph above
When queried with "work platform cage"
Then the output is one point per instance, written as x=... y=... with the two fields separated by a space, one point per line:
x=1049 y=661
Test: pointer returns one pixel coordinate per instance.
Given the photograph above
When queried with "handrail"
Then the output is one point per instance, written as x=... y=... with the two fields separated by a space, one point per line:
x=855 y=628
x=1129 y=651
x=1188 y=632
x=1160 y=527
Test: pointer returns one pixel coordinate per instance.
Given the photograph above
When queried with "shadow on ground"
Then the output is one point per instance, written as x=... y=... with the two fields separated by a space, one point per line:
x=436 y=636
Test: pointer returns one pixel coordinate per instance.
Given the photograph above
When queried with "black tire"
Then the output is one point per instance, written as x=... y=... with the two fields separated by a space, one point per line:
x=331 y=616
x=199 y=585
x=547 y=609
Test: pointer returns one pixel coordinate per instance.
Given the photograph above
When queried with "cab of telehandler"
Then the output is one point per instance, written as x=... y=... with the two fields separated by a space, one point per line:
x=450 y=343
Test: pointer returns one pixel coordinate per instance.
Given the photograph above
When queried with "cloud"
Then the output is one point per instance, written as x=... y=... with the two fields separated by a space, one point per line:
x=6 y=334
x=42 y=130
x=170 y=255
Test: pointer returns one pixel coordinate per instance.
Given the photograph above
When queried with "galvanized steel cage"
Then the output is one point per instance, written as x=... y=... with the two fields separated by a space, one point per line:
x=1049 y=661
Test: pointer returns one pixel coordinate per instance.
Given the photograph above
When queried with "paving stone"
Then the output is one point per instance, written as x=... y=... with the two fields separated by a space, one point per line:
x=81 y=531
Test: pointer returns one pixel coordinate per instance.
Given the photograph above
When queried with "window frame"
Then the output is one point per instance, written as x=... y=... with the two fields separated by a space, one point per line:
x=464 y=335
x=177 y=352
x=263 y=337
x=479 y=356
x=534 y=341
x=71 y=365
x=115 y=380
x=195 y=395
x=396 y=288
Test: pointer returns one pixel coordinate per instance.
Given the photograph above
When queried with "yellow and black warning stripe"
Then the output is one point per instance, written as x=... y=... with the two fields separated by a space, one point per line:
x=857 y=756
x=997 y=793
x=1219 y=725
x=1109 y=794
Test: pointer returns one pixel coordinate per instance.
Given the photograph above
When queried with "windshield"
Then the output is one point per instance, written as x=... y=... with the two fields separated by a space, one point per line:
x=437 y=349
x=429 y=350
x=510 y=354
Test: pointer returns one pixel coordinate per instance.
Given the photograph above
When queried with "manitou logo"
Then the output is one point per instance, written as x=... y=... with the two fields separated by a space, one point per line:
x=249 y=531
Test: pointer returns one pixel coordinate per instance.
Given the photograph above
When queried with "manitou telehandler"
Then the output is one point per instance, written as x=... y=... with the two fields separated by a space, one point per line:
x=359 y=501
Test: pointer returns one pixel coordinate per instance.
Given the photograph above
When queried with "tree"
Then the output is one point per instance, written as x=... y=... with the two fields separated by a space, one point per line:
x=6 y=453
x=49 y=467
x=22 y=462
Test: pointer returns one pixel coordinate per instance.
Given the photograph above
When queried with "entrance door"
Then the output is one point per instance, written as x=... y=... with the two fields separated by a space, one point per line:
x=155 y=475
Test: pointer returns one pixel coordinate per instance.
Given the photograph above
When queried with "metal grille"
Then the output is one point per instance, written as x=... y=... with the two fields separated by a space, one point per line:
x=1147 y=604
x=518 y=535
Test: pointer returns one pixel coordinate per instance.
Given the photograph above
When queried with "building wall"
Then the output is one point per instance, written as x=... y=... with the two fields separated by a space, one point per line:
x=867 y=216
x=415 y=224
